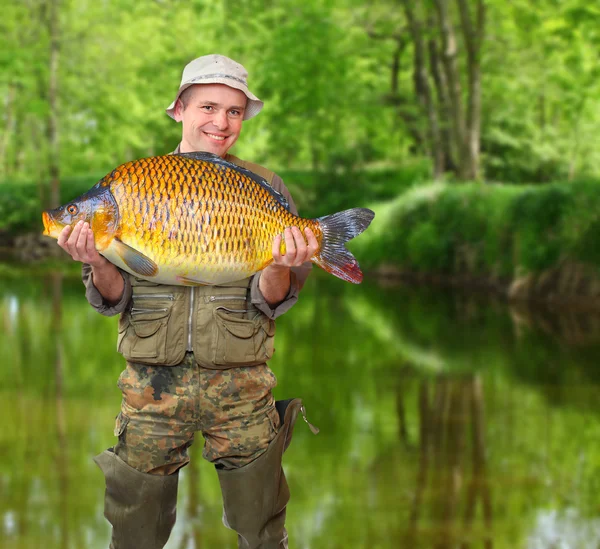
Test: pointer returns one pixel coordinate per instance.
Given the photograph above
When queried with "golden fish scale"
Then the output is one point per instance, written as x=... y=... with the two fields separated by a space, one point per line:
x=196 y=216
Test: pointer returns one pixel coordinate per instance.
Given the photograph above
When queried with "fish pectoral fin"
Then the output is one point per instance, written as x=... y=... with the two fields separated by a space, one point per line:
x=136 y=261
x=185 y=281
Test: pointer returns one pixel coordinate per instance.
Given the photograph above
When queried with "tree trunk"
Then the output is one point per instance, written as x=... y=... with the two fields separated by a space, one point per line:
x=53 y=133
x=449 y=146
x=9 y=129
x=473 y=36
x=449 y=54
x=423 y=90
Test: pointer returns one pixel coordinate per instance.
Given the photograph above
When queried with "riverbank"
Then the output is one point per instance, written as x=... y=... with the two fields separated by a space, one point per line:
x=524 y=243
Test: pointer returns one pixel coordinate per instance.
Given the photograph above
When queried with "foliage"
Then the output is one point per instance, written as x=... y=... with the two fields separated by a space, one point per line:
x=489 y=230
x=337 y=78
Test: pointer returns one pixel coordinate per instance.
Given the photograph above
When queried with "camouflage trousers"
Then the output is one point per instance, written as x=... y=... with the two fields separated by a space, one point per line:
x=164 y=406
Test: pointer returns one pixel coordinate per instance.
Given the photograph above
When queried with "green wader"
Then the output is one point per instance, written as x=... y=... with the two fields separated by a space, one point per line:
x=255 y=496
x=141 y=507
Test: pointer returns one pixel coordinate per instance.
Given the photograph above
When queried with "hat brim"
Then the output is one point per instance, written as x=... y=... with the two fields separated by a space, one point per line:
x=253 y=106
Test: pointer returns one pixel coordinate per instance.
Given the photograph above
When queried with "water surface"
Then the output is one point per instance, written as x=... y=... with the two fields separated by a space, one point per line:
x=446 y=421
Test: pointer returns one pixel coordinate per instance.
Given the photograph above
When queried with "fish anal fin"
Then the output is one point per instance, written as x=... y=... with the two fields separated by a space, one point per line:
x=186 y=281
x=136 y=261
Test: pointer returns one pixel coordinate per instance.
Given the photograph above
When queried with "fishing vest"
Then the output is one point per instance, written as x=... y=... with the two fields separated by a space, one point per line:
x=219 y=324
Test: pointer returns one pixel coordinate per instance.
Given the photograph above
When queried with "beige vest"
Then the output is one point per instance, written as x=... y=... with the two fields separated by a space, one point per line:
x=218 y=324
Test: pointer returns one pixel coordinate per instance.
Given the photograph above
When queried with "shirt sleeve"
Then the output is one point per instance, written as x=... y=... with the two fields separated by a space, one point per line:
x=95 y=298
x=298 y=275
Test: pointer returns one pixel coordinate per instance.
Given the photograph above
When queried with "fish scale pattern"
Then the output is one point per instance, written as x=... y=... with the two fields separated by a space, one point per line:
x=198 y=219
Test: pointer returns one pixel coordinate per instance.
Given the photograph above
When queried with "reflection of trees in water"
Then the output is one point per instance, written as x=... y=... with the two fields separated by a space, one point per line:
x=570 y=326
x=378 y=480
x=452 y=477
x=193 y=534
x=61 y=456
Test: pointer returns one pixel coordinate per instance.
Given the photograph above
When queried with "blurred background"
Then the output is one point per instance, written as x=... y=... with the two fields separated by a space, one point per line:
x=457 y=389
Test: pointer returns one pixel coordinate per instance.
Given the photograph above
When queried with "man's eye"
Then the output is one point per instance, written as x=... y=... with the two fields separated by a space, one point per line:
x=207 y=107
x=235 y=113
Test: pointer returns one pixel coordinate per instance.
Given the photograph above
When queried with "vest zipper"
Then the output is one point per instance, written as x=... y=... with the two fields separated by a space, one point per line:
x=190 y=320
x=139 y=310
x=226 y=297
x=170 y=297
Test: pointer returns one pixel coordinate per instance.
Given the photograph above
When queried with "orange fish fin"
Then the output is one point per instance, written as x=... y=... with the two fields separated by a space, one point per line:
x=338 y=228
x=185 y=281
x=136 y=261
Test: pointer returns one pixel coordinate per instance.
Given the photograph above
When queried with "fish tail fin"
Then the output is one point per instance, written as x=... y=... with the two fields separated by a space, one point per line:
x=339 y=228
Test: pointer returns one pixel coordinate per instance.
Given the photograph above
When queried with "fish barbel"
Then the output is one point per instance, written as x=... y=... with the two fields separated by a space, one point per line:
x=194 y=218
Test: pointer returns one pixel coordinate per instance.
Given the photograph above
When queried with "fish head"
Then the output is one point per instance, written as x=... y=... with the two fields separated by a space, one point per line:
x=96 y=207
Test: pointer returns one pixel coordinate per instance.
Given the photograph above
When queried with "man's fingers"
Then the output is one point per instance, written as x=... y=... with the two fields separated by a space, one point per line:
x=90 y=247
x=81 y=243
x=290 y=246
x=299 y=243
x=64 y=236
x=277 y=248
x=313 y=243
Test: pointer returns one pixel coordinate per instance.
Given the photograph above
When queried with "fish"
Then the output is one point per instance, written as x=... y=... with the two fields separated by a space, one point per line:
x=197 y=219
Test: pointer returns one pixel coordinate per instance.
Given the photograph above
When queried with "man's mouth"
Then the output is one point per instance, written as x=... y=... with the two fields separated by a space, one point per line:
x=215 y=137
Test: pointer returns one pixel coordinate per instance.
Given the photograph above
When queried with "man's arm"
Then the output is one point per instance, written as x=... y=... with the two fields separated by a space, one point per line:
x=79 y=244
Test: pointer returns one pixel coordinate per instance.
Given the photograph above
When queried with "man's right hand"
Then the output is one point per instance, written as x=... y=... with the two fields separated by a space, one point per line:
x=79 y=244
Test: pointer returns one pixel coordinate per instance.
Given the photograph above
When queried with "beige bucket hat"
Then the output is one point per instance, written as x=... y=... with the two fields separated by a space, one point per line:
x=218 y=69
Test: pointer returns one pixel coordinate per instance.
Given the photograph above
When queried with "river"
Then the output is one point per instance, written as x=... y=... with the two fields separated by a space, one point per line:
x=446 y=421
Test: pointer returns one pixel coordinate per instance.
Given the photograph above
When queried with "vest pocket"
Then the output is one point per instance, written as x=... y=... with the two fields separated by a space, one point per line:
x=240 y=341
x=143 y=335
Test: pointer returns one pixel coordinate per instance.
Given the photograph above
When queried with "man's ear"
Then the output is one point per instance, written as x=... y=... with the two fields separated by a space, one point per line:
x=178 y=110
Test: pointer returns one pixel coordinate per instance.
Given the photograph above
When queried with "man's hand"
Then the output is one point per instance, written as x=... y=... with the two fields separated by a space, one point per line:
x=274 y=282
x=297 y=250
x=79 y=244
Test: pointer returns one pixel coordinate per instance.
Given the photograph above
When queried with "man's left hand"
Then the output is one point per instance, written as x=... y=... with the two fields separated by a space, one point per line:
x=274 y=281
x=297 y=249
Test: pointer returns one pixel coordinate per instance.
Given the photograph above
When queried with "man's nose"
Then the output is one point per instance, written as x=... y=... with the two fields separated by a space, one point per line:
x=220 y=120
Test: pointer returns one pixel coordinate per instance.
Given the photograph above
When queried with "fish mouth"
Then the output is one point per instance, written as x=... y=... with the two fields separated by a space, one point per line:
x=51 y=227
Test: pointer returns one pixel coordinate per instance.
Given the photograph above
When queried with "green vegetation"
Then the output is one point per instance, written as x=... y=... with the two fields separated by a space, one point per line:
x=345 y=83
x=494 y=231
x=364 y=104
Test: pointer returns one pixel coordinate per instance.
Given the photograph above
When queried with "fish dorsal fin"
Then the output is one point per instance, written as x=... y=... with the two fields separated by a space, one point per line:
x=210 y=157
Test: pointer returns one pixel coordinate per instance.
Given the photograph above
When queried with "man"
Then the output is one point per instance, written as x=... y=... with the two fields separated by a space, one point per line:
x=222 y=386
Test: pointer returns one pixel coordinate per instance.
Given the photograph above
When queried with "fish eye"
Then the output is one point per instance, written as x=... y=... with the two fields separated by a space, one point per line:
x=72 y=209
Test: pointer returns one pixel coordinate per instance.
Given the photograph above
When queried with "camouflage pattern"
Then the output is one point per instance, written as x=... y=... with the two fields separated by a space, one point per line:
x=163 y=408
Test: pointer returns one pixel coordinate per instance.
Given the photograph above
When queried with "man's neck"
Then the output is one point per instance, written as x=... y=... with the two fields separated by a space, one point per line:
x=183 y=147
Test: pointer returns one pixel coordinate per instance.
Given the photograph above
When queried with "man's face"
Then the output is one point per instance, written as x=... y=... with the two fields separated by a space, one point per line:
x=212 y=119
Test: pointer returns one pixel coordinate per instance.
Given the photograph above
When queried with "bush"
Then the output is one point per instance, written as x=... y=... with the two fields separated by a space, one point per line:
x=21 y=203
x=489 y=230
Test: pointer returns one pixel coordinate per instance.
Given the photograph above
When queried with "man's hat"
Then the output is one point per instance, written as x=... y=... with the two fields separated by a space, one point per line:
x=218 y=69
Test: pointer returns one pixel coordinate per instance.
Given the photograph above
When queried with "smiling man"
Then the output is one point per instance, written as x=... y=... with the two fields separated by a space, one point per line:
x=223 y=386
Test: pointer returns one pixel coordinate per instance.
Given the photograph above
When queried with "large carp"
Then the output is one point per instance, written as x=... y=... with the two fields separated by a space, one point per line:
x=194 y=218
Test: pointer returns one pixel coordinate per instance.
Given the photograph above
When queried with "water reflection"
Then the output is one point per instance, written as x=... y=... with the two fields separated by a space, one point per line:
x=446 y=421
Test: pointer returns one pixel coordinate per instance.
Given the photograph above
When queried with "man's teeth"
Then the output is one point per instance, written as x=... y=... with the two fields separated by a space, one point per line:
x=217 y=137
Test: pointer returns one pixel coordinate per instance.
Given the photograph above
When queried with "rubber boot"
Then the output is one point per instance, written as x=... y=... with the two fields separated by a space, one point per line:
x=255 y=496
x=140 y=507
